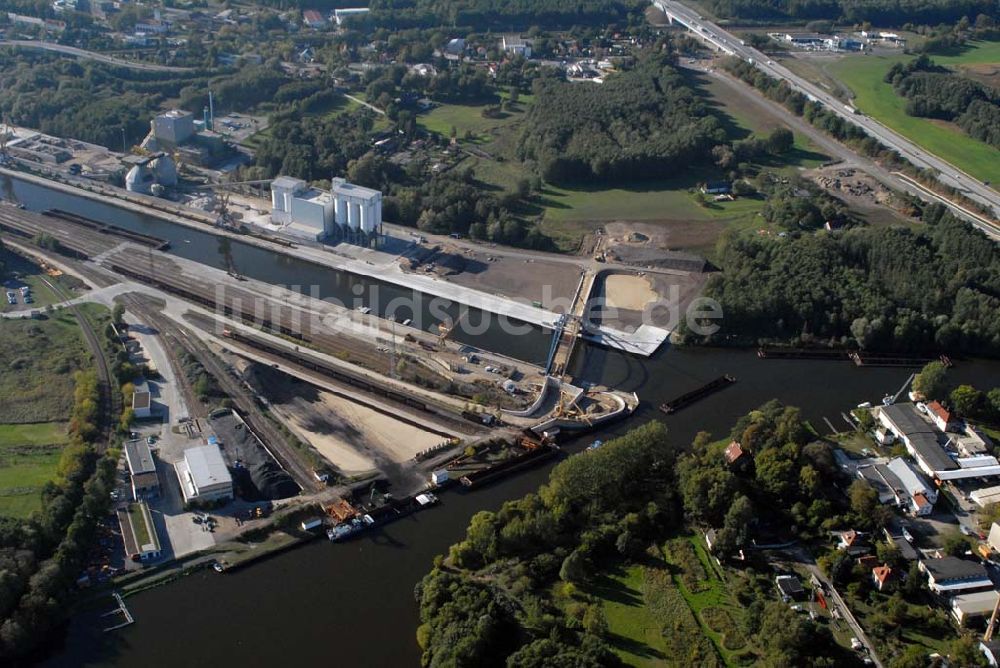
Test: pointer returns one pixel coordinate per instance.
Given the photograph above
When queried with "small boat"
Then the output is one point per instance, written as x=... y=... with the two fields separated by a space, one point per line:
x=426 y=499
x=218 y=567
x=596 y=444
x=346 y=530
x=364 y=309
x=407 y=322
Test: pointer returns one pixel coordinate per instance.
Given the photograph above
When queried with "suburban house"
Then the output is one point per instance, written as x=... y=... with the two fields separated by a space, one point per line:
x=853 y=543
x=882 y=575
x=733 y=452
x=942 y=418
x=951 y=575
x=313 y=19
x=789 y=587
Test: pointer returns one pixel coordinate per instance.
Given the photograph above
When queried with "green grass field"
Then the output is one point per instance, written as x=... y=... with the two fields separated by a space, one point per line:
x=29 y=455
x=469 y=119
x=139 y=527
x=863 y=74
x=37 y=361
x=634 y=632
x=19 y=271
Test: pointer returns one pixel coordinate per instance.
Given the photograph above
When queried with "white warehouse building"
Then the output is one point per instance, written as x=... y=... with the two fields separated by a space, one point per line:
x=348 y=212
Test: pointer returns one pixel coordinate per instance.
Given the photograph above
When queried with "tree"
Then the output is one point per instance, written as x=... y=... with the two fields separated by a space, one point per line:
x=932 y=381
x=574 y=568
x=118 y=313
x=864 y=498
x=780 y=141
x=967 y=401
x=965 y=652
x=955 y=544
x=736 y=528
x=993 y=396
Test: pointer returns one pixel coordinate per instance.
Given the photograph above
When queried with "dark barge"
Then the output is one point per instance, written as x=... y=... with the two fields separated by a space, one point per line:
x=680 y=402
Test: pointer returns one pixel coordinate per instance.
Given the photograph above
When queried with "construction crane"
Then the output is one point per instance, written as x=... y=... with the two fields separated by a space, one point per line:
x=993 y=621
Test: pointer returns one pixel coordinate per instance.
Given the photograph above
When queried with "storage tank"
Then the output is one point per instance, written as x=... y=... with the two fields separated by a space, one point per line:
x=164 y=170
x=139 y=180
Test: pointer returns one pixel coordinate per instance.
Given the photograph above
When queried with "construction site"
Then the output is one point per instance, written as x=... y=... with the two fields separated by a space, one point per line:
x=323 y=398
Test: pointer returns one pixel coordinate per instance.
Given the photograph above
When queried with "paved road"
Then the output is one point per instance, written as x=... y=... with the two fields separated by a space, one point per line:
x=802 y=556
x=90 y=55
x=365 y=104
x=948 y=174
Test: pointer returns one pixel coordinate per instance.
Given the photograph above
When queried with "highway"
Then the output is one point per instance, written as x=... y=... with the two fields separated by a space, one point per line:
x=90 y=55
x=947 y=174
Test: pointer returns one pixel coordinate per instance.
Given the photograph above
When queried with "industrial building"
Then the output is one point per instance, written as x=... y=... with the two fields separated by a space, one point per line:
x=346 y=213
x=951 y=575
x=203 y=475
x=927 y=445
x=142 y=470
x=968 y=607
x=191 y=140
x=898 y=483
x=138 y=532
x=142 y=404
x=515 y=46
x=150 y=174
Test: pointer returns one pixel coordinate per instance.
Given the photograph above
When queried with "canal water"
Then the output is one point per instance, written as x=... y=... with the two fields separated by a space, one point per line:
x=352 y=604
x=352 y=290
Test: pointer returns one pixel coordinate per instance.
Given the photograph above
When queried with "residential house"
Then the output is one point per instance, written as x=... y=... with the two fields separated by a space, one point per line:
x=941 y=416
x=882 y=576
x=313 y=19
x=733 y=453
x=853 y=543
x=789 y=587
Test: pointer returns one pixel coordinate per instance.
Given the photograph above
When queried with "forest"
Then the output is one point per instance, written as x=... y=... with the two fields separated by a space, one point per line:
x=640 y=124
x=502 y=14
x=93 y=101
x=932 y=288
x=879 y=12
x=936 y=92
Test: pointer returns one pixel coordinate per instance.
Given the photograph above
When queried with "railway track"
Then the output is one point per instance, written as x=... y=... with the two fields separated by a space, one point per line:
x=244 y=399
x=110 y=398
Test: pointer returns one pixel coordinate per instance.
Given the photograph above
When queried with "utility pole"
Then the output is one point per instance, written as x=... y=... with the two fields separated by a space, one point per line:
x=124 y=148
x=392 y=350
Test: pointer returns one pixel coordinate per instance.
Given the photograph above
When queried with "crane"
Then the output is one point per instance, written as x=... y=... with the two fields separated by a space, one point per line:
x=891 y=399
x=993 y=620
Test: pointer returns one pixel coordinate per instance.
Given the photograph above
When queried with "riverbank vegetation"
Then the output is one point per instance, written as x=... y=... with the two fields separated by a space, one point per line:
x=900 y=289
x=597 y=570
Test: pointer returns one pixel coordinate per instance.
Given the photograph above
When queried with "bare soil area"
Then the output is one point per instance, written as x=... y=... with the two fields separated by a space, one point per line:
x=660 y=243
x=628 y=292
x=350 y=435
x=877 y=203
x=511 y=275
